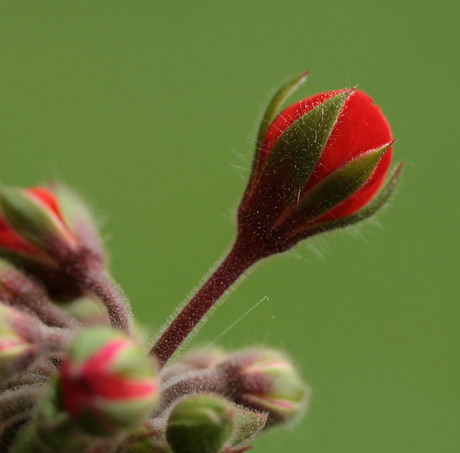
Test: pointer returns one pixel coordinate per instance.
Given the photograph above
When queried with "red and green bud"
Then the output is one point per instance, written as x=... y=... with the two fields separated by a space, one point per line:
x=50 y=233
x=107 y=383
x=32 y=224
x=23 y=339
x=319 y=165
x=266 y=381
x=18 y=341
x=200 y=423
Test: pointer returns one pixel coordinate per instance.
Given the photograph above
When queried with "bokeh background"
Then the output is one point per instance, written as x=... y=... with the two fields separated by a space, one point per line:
x=149 y=108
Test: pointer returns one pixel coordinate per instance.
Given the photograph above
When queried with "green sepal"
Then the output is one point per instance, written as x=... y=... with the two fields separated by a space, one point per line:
x=73 y=209
x=54 y=429
x=368 y=211
x=295 y=155
x=273 y=108
x=90 y=340
x=200 y=424
x=88 y=311
x=248 y=425
x=337 y=187
x=30 y=219
x=25 y=441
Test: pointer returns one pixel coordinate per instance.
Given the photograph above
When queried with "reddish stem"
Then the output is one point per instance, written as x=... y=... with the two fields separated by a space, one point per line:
x=229 y=271
x=103 y=286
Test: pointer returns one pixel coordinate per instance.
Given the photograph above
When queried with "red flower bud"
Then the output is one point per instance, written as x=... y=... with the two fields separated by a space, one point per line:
x=319 y=162
x=31 y=221
x=107 y=382
x=51 y=234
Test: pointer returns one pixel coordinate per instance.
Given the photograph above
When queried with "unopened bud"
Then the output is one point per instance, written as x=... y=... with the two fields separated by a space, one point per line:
x=19 y=338
x=33 y=222
x=88 y=311
x=267 y=381
x=200 y=423
x=107 y=383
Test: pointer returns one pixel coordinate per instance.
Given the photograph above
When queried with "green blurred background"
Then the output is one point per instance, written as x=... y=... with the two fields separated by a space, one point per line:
x=149 y=108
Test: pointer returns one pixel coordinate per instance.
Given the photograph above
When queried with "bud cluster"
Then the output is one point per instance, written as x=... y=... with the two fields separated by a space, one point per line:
x=74 y=376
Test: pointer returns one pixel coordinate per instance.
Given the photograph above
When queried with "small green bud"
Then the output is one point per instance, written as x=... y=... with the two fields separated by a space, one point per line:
x=200 y=424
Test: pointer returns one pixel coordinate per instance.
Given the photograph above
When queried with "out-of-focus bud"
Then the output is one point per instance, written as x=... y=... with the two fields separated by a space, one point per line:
x=18 y=341
x=265 y=380
x=88 y=311
x=319 y=165
x=198 y=359
x=32 y=224
x=23 y=338
x=107 y=383
x=50 y=233
x=200 y=423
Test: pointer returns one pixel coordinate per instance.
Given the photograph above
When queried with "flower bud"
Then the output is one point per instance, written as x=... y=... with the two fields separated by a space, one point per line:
x=19 y=341
x=88 y=311
x=265 y=380
x=50 y=233
x=107 y=383
x=319 y=165
x=200 y=423
x=32 y=223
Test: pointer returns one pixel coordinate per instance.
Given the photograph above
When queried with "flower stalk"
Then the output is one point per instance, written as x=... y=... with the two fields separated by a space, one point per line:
x=240 y=258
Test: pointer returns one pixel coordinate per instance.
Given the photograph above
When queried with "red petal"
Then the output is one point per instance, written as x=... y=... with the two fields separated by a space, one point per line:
x=46 y=197
x=360 y=127
x=10 y=240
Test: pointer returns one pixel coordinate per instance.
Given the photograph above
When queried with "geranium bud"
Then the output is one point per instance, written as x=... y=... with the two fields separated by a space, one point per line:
x=32 y=223
x=107 y=383
x=266 y=381
x=88 y=311
x=24 y=339
x=319 y=165
x=19 y=337
x=49 y=232
x=200 y=423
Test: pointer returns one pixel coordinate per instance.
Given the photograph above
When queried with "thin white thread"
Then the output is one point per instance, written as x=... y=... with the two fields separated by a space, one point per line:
x=234 y=323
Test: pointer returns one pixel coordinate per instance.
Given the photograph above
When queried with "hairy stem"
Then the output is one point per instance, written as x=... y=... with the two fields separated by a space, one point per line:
x=229 y=271
x=104 y=287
